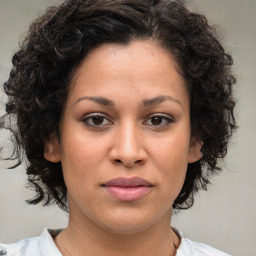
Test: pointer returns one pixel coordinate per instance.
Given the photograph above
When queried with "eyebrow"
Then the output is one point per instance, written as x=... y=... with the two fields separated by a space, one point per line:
x=146 y=102
x=160 y=99
x=100 y=100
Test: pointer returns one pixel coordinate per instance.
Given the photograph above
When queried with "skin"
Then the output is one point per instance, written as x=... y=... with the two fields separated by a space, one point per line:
x=126 y=142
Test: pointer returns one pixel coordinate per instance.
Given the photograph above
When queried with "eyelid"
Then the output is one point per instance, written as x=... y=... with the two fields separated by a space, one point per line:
x=96 y=114
x=166 y=117
x=161 y=115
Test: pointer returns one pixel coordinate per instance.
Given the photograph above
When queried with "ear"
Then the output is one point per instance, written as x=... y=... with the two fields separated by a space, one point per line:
x=51 y=150
x=195 y=153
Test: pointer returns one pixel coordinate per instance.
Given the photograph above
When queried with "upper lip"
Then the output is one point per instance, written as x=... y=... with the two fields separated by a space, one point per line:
x=127 y=182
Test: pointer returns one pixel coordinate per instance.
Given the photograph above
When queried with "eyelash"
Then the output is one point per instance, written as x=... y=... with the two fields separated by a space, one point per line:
x=94 y=115
x=89 y=118
x=168 y=120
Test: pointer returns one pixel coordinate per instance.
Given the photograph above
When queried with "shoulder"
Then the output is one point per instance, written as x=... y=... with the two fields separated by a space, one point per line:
x=42 y=245
x=3 y=250
x=21 y=248
x=191 y=248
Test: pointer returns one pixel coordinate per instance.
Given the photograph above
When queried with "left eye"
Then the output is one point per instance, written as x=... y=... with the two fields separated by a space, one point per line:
x=159 y=120
x=96 y=120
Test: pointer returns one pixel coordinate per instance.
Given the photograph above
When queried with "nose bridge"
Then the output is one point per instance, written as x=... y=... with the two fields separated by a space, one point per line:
x=127 y=138
x=127 y=148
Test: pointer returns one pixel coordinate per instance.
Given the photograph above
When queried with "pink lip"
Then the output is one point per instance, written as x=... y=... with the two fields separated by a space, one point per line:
x=128 y=189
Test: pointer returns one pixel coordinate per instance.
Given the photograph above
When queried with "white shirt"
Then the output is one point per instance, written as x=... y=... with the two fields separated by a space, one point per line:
x=44 y=245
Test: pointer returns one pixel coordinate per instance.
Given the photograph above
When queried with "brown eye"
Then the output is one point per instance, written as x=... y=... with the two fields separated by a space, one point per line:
x=159 y=120
x=156 y=120
x=96 y=120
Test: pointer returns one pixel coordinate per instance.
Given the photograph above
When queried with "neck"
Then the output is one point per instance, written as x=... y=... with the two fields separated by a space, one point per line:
x=87 y=237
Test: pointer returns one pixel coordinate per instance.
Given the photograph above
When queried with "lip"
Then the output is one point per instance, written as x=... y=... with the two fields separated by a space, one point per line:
x=128 y=189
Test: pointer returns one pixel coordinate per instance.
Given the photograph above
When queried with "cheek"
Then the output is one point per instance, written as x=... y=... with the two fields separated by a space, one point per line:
x=78 y=162
x=82 y=149
x=79 y=166
x=170 y=158
x=172 y=150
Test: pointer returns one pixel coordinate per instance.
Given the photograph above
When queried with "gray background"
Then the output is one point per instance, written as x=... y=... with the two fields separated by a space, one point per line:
x=224 y=216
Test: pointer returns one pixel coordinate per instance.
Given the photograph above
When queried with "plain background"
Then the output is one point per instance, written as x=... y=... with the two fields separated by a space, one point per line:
x=224 y=216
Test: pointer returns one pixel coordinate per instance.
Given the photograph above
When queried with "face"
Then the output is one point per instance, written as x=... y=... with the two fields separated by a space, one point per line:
x=125 y=138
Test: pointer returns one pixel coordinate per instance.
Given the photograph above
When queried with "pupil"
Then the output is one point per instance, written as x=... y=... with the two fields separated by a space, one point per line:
x=156 y=120
x=97 y=120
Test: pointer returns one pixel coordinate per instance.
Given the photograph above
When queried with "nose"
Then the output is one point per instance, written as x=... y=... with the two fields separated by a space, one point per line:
x=127 y=149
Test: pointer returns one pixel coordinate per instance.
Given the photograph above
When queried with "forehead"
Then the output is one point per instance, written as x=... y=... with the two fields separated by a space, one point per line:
x=140 y=66
x=137 y=57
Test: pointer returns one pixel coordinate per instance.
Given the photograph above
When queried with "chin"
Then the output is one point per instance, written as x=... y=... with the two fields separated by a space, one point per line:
x=128 y=229
x=129 y=223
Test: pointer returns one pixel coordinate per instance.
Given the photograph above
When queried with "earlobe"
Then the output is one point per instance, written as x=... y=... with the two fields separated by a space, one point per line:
x=195 y=153
x=51 y=150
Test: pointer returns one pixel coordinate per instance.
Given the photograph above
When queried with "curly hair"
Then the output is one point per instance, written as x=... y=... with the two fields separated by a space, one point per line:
x=63 y=36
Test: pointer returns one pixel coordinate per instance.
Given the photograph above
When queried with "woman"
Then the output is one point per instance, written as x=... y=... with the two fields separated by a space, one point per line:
x=123 y=108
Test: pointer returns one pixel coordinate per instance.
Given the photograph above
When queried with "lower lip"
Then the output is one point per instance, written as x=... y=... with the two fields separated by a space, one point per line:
x=128 y=194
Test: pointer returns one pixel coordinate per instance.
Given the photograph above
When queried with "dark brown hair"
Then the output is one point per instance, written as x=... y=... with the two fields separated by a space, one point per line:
x=59 y=40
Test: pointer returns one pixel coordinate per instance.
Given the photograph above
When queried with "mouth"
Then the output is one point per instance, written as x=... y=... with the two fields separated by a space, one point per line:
x=127 y=189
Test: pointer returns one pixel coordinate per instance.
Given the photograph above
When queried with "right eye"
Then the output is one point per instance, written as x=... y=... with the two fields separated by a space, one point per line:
x=96 y=120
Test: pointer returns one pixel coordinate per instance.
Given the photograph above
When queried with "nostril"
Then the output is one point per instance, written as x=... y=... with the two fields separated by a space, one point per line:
x=118 y=161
